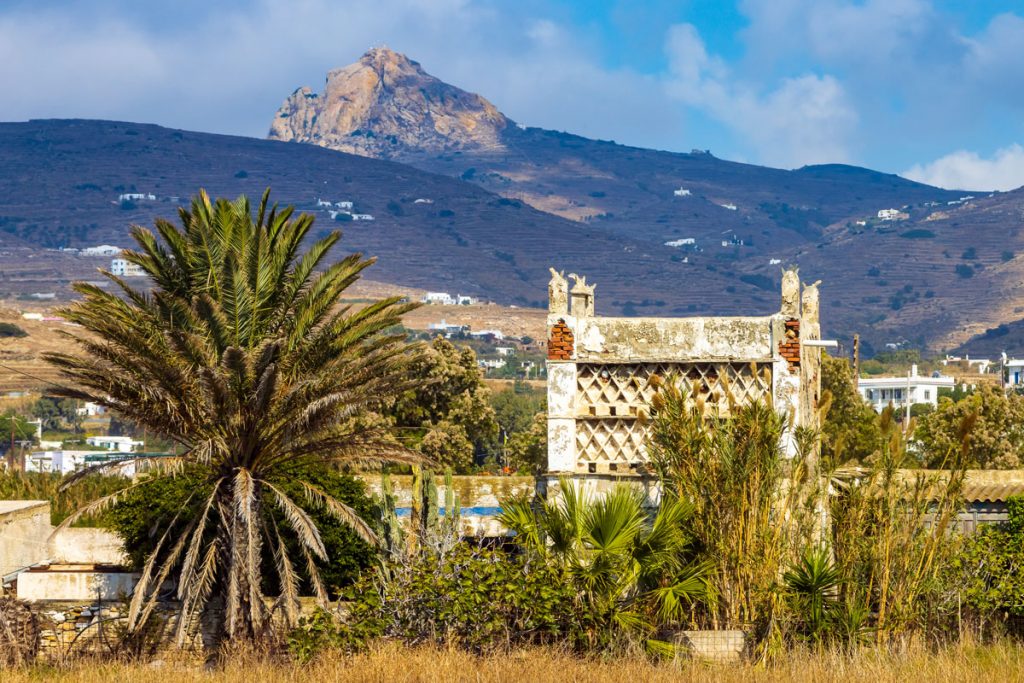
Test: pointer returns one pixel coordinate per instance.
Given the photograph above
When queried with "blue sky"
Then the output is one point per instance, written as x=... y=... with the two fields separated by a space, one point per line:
x=931 y=89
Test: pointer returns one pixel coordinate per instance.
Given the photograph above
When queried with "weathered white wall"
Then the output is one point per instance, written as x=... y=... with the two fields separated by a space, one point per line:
x=561 y=417
x=54 y=584
x=24 y=528
x=86 y=546
x=673 y=339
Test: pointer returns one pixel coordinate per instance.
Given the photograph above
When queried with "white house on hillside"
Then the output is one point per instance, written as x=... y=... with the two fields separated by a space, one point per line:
x=881 y=391
x=123 y=268
x=102 y=250
x=122 y=444
x=1014 y=372
x=441 y=298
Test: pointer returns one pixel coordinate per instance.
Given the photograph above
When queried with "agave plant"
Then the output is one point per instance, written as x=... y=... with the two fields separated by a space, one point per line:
x=240 y=354
x=630 y=566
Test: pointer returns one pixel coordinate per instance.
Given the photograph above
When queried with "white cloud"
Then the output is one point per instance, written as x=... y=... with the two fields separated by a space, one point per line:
x=230 y=69
x=803 y=120
x=964 y=170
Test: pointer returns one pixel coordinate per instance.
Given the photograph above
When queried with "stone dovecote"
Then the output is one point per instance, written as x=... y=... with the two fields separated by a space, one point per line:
x=602 y=370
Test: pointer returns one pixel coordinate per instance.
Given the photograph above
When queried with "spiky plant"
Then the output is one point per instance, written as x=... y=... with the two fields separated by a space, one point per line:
x=241 y=354
x=813 y=583
x=631 y=568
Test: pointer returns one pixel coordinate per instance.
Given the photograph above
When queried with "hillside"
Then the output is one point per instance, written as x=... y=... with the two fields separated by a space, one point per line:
x=892 y=281
x=62 y=185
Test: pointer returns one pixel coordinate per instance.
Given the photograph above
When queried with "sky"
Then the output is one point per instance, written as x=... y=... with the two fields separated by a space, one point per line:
x=930 y=89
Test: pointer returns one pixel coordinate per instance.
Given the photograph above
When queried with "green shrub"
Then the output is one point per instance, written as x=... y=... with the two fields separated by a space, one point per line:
x=470 y=597
x=917 y=234
x=11 y=330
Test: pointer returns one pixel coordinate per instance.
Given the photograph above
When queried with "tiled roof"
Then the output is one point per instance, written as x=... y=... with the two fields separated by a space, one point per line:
x=980 y=486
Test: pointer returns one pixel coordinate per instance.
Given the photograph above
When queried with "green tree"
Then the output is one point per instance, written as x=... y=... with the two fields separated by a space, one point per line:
x=240 y=354
x=14 y=428
x=986 y=568
x=527 y=451
x=521 y=413
x=142 y=515
x=446 y=412
x=850 y=429
x=57 y=413
x=996 y=440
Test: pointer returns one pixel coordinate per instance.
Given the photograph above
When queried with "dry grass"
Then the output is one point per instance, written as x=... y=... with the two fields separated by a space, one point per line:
x=396 y=664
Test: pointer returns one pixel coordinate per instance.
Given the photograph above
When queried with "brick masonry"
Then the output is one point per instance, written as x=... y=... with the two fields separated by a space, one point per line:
x=561 y=343
x=790 y=347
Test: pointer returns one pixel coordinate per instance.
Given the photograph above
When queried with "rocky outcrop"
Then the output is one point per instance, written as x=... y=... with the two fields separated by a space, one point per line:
x=386 y=106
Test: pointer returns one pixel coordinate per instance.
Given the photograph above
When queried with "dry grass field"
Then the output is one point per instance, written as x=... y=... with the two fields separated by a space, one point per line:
x=395 y=664
x=22 y=367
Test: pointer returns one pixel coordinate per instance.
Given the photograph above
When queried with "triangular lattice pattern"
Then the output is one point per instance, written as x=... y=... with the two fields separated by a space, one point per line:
x=610 y=398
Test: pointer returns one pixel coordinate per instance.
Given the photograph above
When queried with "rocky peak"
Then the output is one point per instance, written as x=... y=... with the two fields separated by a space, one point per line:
x=385 y=105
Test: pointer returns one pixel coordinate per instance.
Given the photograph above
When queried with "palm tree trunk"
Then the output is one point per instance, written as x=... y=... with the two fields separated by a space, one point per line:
x=246 y=613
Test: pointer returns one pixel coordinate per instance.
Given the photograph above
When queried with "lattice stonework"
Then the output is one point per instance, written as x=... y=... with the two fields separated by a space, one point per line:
x=611 y=397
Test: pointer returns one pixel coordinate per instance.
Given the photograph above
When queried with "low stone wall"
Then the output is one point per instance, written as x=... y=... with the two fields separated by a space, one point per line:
x=73 y=629
x=472 y=490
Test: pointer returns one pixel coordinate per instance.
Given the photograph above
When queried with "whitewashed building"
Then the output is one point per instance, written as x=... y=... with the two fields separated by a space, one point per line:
x=101 y=250
x=438 y=298
x=124 y=268
x=122 y=444
x=90 y=409
x=898 y=391
x=1014 y=368
x=682 y=242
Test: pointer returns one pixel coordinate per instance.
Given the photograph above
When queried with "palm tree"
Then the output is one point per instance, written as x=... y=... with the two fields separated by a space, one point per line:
x=242 y=356
x=631 y=568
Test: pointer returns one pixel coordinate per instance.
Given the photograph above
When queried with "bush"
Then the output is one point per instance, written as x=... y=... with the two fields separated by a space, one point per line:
x=917 y=234
x=985 y=573
x=11 y=330
x=470 y=597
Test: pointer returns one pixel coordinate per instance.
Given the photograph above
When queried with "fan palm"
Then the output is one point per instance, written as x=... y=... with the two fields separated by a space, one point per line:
x=240 y=354
x=631 y=568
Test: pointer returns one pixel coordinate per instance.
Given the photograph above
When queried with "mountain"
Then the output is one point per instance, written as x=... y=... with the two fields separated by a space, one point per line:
x=384 y=103
x=73 y=183
x=895 y=281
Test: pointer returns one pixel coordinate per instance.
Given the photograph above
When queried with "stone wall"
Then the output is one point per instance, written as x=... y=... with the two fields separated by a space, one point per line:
x=471 y=491
x=76 y=629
